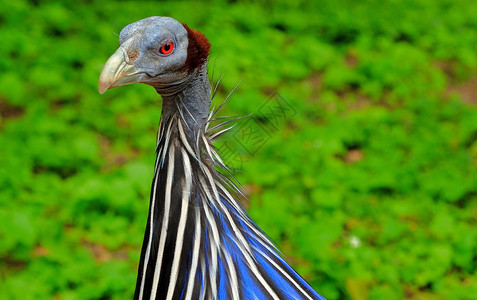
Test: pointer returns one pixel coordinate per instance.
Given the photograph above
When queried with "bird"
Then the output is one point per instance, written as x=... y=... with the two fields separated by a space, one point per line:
x=199 y=242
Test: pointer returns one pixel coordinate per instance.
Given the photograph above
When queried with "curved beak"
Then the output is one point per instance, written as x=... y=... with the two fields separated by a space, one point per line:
x=117 y=72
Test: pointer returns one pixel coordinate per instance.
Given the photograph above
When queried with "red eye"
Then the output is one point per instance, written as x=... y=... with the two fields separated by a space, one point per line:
x=167 y=48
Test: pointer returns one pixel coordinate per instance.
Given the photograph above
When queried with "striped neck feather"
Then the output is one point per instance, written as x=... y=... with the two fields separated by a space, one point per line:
x=199 y=241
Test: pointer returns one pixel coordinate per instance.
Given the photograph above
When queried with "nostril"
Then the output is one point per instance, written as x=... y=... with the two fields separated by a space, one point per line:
x=132 y=56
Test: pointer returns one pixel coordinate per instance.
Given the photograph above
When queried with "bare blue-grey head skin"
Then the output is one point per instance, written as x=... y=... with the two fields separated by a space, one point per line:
x=138 y=60
x=199 y=243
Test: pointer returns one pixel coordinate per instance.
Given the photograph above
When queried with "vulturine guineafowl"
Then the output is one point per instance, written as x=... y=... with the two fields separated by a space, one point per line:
x=199 y=243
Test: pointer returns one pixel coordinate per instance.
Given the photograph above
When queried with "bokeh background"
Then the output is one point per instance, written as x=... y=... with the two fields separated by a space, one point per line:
x=369 y=189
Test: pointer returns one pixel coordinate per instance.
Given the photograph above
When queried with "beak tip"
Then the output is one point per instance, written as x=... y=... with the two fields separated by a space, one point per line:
x=116 y=72
x=102 y=89
x=104 y=84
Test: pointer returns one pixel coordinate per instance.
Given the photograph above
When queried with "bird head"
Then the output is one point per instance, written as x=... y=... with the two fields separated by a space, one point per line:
x=158 y=51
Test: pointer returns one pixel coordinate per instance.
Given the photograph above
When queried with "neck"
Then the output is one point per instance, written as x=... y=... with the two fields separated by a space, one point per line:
x=196 y=232
x=188 y=99
x=173 y=232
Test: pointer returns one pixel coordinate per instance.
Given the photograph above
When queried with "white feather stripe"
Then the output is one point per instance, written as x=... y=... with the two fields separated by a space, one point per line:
x=195 y=257
x=277 y=267
x=186 y=143
x=250 y=261
x=166 y=143
x=204 y=284
x=233 y=276
x=225 y=211
x=215 y=135
x=148 y=250
x=260 y=236
x=165 y=223
x=213 y=269
x=214 y=244
x=182 y=223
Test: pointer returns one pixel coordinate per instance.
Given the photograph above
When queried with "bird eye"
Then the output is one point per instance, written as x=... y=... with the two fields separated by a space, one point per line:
x=167 y=48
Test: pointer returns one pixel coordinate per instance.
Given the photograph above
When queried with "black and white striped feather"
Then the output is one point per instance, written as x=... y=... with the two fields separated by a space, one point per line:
x=200 y=243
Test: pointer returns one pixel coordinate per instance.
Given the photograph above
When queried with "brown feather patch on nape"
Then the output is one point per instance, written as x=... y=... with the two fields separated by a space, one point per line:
x=198 y=49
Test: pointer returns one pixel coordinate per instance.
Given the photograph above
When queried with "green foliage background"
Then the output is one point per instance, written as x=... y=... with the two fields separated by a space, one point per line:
x=370 y=189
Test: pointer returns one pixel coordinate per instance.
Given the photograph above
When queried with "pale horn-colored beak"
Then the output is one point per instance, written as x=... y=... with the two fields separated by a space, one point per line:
x=117 y=72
